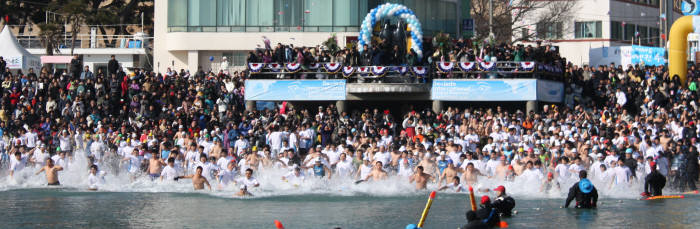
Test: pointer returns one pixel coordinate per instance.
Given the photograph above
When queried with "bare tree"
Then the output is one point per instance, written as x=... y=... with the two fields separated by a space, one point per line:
x=518 y=20
x=50 y=36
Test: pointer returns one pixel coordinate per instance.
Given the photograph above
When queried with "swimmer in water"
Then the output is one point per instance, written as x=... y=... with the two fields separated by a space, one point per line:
x=454 y=186
x=198 y=180
x=18 y=163
x=243 y=191
x=248 y=180
x=377 y=173
x=226 y=176
x=169 y=172
x=320 y=170
x=51 y=172
x=96 y=178
x=294 y=177
x=420 y=178
x=471 y=174
x=449 y=172
x=155 y=165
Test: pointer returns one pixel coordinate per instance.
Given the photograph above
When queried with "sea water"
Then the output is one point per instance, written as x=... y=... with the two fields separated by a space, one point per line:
x=316 y=203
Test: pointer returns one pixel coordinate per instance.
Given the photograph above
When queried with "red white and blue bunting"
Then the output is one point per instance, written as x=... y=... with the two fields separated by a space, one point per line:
x=419 y=71
x=445 y=67
x=332 y=67
x=401 y=70
x=467 y=66
x=314 y=66
x=487 y=66
x=527 y=66
x=363 y=70
x=275 y=67
x=293 y=67
x=379 y=70
x=348 y=70
x=255 y=67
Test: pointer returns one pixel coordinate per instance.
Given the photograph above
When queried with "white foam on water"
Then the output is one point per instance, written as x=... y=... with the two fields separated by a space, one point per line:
x=75 y=177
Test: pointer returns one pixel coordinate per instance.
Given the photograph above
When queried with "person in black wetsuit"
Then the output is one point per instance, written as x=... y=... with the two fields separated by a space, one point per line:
x=503 y=204
x=473 y=222
x=692 y=168
x=654 y=182
x=583 y=191
x=487 y=213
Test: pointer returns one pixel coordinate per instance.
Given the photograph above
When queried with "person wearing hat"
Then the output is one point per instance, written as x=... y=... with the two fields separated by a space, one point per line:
x=243 y=191
x=448 y=173
x=548 y=183
x=487 y=213
x=584 y=192
x=503 y=204
x=654 y=182
x=365 y=168
x=320 y=170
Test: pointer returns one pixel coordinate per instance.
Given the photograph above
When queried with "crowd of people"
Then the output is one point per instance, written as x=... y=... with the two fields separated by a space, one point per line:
x=617 y=124
x=455 y=51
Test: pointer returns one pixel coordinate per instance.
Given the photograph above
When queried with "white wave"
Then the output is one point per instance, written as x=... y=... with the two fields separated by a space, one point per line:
x=75 y=177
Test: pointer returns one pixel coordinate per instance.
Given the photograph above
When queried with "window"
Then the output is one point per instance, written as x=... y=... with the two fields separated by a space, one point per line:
x=525 y=34
x=615 y=30
x=653 y=36
x=230 y=12
x=201 y=13
x=177 y=13
x=642 y=34
x=259 y=12
x=629 y=32
x=288 y=13
x=549 y=30
x=346 y=13
x=318 y=13
x=236 y=58
x=588 y=29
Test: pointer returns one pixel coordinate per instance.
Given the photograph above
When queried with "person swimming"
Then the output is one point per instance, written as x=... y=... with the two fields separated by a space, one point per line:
x=320 y=170
x=198 y=180
x=243 y=191
x=295 y=177
x=51 y=171
x=454 y=186
x=96 y=178
x=420 y=178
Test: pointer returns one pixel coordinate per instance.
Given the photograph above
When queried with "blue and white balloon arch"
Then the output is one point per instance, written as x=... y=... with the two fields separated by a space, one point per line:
x=392 y=10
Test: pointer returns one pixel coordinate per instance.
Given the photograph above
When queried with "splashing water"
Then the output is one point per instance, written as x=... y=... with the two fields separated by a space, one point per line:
x=76 y=174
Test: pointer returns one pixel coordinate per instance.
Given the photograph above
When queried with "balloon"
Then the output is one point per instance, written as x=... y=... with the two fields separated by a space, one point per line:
x=211 y=58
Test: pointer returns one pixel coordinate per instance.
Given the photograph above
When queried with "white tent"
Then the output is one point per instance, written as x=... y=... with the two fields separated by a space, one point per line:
x=14 y=54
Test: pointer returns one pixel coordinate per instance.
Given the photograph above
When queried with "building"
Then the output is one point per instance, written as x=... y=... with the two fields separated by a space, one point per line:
x=197 y=33
x=91 y=46
x=606 y=23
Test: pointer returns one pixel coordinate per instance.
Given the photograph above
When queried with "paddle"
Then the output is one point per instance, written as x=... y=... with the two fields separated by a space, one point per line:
x=427 y=209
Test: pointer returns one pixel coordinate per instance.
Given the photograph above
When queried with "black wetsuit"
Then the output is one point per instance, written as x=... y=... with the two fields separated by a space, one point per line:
x=488 y=215
x=692 y=168
x=504 y=205
x=583 y=200
x=654 y=183
x=475 y=224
